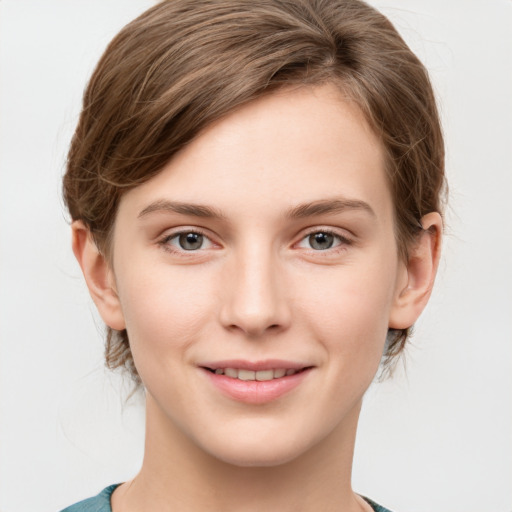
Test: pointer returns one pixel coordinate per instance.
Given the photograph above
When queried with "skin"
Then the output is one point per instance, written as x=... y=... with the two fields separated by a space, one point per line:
x=257 y=289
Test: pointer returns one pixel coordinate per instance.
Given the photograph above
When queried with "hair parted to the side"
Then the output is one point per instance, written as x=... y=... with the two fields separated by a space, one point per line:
x=184 y=64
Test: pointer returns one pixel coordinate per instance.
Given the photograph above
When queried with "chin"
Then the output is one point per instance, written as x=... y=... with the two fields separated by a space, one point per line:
x=258 y=451
x=244 y=459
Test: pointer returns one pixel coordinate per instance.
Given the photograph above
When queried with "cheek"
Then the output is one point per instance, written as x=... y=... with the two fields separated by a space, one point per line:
x=164 y=311
x=349 y=308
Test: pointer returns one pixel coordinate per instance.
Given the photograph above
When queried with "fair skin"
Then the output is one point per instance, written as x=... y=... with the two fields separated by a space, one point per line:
x=290 y=263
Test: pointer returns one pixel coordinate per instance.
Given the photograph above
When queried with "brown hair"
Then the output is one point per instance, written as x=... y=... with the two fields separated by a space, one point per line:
x=185 y=63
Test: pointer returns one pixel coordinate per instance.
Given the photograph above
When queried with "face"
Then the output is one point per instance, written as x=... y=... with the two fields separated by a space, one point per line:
x=257 y=274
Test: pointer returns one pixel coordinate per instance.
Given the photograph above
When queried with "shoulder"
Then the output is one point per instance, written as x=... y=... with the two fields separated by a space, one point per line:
x=376 y=507
x=99 y=503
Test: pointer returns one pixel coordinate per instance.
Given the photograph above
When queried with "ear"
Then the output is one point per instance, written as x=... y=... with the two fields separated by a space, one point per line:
x=98 y=276
x=418 y=275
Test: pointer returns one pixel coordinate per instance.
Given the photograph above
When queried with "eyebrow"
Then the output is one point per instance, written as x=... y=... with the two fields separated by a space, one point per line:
x=329 y=206
x=301 y=211
x=195 y=210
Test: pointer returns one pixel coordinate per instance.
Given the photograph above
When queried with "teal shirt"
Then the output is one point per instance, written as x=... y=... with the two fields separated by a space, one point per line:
x=101 y=503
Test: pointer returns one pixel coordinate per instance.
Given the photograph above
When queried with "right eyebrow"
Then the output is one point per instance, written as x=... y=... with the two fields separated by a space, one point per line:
x=195 y=210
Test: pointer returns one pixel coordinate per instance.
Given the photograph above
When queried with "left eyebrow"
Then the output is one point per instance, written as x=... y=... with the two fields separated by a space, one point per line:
x=329 y=206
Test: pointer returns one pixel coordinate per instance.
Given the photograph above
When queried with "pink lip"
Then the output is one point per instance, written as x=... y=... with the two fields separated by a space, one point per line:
x=256 y=392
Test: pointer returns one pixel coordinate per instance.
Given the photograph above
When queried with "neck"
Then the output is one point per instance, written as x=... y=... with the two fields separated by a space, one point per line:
x=178 y=475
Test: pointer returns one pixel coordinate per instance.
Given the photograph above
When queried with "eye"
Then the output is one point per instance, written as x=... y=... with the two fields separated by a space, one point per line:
x=322 y=241
x=187 y=241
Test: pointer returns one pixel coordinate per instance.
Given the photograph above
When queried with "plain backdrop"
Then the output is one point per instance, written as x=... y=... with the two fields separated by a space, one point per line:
x=436 y=437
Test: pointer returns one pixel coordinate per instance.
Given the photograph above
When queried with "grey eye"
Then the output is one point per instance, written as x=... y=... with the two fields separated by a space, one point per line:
x=321 y=241
x=190 y=241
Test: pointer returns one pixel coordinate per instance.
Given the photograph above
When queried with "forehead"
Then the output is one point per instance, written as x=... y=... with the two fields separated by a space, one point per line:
x=290 y=147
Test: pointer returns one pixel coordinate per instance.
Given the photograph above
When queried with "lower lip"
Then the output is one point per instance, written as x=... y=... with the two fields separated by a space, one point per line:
x=256 y=392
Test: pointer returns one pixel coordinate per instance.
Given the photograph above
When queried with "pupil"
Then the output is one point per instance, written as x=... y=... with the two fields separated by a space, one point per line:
x=191 y=241
x=321 y=241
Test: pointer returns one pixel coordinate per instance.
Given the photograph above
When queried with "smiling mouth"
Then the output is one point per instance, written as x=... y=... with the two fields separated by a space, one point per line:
x=259 y=375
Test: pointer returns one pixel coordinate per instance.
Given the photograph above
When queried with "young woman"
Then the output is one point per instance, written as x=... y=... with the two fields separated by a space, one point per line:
x=255 y=191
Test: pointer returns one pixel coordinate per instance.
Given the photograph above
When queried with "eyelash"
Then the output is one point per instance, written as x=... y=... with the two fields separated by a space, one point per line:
x=344 y=241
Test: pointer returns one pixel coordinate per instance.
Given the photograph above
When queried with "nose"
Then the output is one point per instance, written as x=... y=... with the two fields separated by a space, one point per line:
x=255 y=297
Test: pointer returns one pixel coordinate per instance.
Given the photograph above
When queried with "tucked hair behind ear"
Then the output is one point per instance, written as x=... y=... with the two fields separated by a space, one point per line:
x=184 y=64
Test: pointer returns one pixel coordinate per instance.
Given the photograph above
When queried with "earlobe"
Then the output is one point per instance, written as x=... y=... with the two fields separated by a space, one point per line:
x=98 y=276
x=412 y=297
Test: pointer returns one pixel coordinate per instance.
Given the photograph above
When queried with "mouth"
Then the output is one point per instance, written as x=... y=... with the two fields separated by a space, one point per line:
x=256 y=382
x=256 y=375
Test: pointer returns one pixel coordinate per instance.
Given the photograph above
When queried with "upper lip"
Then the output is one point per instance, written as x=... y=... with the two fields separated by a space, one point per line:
x=267 y=364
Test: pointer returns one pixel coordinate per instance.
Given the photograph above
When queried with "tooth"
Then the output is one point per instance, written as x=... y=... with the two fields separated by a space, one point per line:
x=264 y=375
x=219 y=371
x=231 y=372
x=246 y=374
x=280 y=372
x=290 y=372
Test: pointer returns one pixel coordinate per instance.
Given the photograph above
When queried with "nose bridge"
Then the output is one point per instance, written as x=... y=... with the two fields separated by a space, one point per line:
x=255 y=300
